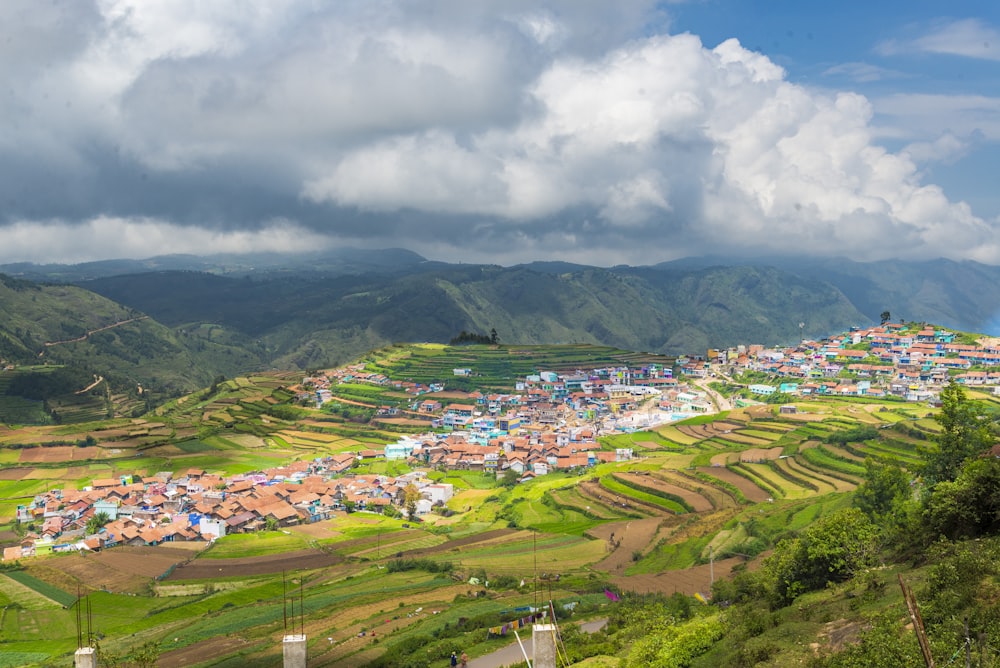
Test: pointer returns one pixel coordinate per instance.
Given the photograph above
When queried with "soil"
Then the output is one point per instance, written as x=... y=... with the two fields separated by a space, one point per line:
x=203 y=569
x=593 y=490
x=752 y=492
x=61 y=453
x=630 y=536
x=648 y=445
x=697 y=502
x=15 y=474
x=200 y=652
x=760 y=454
x=689 y=581
x=122 y=569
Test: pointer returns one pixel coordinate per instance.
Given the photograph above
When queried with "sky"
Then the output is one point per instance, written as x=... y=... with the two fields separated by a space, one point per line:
x=500 y=131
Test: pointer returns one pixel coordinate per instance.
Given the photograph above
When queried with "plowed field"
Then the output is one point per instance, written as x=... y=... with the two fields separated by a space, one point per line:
x=698 y=503
x=751 y=491
x=201 y=569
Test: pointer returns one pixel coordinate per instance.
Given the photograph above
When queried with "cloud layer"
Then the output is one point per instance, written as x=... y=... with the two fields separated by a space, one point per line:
x=503 y=131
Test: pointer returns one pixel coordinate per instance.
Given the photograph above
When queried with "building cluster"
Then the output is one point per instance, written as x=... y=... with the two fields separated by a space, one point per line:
x=526 y=455
x=892 y=359
x=200 y=506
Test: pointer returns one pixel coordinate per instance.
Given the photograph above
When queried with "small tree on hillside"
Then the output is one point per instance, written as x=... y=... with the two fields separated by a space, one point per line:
x=964 y=434
x=411 y=495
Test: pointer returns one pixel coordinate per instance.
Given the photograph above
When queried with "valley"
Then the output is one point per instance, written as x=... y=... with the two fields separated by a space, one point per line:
x=697 y=501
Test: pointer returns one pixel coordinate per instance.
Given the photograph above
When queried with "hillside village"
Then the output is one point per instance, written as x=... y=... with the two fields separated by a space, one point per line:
x=551 y=421
x=892 y=359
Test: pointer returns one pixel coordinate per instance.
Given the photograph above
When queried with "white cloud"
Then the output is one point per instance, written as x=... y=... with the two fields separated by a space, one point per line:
x=947 y=149
x=971 y=38
x=106 y=237
x=555 y=129
x=863 y=72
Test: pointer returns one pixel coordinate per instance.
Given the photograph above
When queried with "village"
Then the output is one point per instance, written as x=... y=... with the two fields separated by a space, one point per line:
x=887 y=360
x=551 y=422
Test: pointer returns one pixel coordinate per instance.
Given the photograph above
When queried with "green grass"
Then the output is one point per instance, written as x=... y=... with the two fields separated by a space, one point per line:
x=255 y=545
x=43 y=588
x=824 y=459
x=16 y=659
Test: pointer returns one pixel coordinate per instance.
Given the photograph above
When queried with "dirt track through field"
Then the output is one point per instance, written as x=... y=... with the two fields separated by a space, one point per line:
x=624 y=539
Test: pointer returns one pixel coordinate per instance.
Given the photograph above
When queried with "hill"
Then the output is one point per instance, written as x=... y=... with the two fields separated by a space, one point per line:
x=180 y=322
x=313 y=319
x=140 y=362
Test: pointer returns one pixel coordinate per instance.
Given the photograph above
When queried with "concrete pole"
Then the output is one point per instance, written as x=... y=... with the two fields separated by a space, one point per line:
x=293 y=650
x=543 y=640
x=85 y=657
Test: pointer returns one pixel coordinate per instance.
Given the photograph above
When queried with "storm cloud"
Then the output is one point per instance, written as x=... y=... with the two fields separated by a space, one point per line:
x=503 y=132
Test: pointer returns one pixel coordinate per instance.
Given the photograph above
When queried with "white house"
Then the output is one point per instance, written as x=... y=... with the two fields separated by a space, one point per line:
x=438 y=492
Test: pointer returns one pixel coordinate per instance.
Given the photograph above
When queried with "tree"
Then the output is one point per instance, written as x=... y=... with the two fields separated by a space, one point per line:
x=833 y=549
x=885 y=487
x=493 y=336
x=411 y=495
x=964 y=434
x=885 y=317
x=96 y=521
x=969 y=506
x=270 y=523
x=509 y=479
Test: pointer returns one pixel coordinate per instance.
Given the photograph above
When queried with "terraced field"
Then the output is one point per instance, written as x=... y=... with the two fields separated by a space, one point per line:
x=745 y=486
x=692 y=500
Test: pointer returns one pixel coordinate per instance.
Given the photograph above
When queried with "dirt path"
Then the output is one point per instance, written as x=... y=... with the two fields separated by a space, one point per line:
x=624 y=539
x=49 y=344
x=721 y=403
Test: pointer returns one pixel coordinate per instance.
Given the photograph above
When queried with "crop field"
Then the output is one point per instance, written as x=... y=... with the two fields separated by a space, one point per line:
x=744 y=485
x=647 y=525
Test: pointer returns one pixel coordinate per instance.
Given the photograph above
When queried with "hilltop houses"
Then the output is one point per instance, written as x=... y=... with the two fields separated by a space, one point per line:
x=909 y=362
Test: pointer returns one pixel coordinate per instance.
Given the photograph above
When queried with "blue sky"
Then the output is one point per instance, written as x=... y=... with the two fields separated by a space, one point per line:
x=500 y=131
x=883 y=50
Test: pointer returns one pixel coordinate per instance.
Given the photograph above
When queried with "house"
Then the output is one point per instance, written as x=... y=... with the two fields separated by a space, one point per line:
x=438 y=492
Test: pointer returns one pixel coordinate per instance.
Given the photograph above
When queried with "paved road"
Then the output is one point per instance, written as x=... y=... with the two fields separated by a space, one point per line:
x=511 y=654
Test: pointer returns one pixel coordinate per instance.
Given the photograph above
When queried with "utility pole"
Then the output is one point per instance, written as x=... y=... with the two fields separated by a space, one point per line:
x=711 y=565
x=918 y=623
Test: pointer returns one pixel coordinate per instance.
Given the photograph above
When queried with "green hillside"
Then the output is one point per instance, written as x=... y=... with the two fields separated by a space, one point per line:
x=45 y=327
x=308 y=321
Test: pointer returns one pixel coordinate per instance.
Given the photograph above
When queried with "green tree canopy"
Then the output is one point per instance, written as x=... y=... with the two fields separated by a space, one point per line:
x=886 y=485
x=96 y=521
x=964 y=434
x=969 y=506
x=833 y=549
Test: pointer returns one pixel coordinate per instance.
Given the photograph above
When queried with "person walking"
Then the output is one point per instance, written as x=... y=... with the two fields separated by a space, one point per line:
x=465 y=660
x=454 y=660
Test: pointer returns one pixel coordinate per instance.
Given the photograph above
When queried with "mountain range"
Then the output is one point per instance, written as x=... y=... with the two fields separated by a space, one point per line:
x=180 y=321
